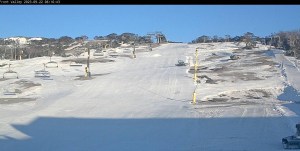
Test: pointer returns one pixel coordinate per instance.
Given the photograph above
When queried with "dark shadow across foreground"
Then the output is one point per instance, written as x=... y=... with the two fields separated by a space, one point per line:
x=154 y=134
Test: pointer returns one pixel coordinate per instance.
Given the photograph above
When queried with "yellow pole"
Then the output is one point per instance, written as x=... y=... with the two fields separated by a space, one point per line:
x=195 y=75
x=196 y=65
x=194 y=97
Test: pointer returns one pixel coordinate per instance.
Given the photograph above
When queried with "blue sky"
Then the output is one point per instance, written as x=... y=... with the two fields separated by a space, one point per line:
x=178 y=22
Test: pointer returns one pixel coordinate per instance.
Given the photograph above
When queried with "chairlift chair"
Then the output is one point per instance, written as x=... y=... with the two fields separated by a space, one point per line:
x=42 y=73
x=74 y=64
x=10 y=74
x=51 y=64
x=98 y=53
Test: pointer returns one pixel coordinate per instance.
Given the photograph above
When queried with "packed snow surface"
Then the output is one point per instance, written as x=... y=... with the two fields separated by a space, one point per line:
x=145 y=103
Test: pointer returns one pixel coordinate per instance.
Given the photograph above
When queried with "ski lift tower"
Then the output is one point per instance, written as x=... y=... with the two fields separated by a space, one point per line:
x=150 y=35
x=134 y=41
x=87 y=68
x=277 y=41
x=158 y=36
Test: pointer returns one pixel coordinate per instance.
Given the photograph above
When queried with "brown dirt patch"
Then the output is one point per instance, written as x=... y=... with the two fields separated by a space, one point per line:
x=84 y=60
x=15 y=100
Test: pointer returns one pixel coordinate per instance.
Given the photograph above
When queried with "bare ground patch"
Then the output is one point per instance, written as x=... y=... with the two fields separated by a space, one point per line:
x=218 y=99
x=223 y=104
x=90 y=78
x=125 y=55
x=249 y=97
x=141 y=50
x=19 y=86
x=27 y=84
x=260 y=61
x=220 y=69
x=213 y=57
x=245 y=76
x=199 y=69
x=84 y=78
x=84 y=60
x=237 y=50
x=3 y=79
x=256 y=52
x=3 y=64
x=261 y=92
x=15 y=100
x=208 y=79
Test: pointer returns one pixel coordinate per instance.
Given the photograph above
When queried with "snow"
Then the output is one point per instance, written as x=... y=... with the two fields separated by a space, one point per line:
x=145 y=103
x=20 y=40
x=73 y=47
x=35 y=38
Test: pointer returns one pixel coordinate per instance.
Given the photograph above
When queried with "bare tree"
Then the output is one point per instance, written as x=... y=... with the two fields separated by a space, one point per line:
x=227 y=38
x=248 y=39
x=215 y=38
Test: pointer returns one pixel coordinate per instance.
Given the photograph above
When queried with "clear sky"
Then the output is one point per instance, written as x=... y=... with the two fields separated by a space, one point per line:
x=182 y=23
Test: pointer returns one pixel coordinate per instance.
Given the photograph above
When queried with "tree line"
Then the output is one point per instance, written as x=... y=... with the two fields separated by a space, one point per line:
x=10 y=49
x=286 y=40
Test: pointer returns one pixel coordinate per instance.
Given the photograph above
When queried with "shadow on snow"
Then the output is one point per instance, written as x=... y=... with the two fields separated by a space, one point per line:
x=165 y=134
x=289 y=94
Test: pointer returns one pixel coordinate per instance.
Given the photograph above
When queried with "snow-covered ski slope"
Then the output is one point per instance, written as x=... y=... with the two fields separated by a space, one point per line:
x=145 y=103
